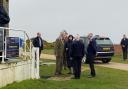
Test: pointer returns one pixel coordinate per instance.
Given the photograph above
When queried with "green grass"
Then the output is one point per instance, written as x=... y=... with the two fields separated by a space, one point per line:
x=119 y=59
x=48 y=51
x=47 y=60
x=106 y=79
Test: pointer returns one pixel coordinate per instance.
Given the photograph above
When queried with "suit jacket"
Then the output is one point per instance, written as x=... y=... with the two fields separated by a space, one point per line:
x=124 y=42
x=91 y=49
x=77 y=49
x=36 y=42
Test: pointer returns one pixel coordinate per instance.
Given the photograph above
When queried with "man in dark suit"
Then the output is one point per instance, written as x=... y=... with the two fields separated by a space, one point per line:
x=91 y=52
x=38 y=42
x=77 y=53
x=124 y=45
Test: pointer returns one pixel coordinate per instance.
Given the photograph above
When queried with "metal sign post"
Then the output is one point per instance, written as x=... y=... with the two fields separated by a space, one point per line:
x=2 y=54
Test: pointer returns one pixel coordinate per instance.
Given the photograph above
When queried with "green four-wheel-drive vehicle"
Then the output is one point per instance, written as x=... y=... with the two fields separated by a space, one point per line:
x=104 y=48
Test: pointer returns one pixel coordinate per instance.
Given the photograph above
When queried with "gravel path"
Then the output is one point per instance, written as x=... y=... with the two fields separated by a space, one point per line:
x=47 y=56
x=113 y=65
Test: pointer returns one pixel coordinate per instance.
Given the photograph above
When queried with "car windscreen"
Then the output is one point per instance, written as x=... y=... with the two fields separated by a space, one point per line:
x=103 y=41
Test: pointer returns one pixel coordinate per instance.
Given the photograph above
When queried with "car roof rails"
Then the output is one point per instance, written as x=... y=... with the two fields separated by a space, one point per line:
x=96 y=36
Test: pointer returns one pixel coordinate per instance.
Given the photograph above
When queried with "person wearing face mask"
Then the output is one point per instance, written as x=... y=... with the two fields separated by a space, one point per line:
x=77 y=53
x=67 y=48
x=90 y=55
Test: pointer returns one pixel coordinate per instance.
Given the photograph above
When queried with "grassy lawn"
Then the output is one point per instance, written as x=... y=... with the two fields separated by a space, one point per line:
x=106 y=79
x=47 y=60
x=48 y=51
x=118 y=58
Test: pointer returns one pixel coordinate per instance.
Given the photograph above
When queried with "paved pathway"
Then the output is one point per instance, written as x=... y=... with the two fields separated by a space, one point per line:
x=47 y=56
x=113 y=65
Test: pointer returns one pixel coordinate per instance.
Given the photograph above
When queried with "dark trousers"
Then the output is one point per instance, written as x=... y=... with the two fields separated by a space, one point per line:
x=91 y=65
x=77 y=66
x=125 y=54
x=69 y=62
x=64 y=61
x=40 y=52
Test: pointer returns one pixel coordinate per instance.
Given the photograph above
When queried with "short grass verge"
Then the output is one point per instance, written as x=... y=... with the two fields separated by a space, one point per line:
x=106 y=79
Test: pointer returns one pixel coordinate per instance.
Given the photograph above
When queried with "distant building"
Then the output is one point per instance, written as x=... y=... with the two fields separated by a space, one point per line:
x=118 y=49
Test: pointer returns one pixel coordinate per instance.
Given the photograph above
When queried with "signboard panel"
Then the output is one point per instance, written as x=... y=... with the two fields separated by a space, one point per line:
x=12 y=47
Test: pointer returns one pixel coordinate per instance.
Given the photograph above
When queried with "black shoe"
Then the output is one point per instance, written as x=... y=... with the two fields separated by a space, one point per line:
x=58 y=73
x=75 y=78
x=91 y=76
x=69 y=73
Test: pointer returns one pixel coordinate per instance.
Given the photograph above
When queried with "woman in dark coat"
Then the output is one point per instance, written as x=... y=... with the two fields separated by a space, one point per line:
x=67 y=48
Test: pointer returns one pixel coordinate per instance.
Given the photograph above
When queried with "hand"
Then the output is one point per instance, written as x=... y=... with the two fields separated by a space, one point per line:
x=66 y=49
x=123 y=46
x=71 y=58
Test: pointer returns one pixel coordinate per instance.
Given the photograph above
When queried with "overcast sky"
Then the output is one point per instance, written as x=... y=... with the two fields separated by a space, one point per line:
x=103 y=17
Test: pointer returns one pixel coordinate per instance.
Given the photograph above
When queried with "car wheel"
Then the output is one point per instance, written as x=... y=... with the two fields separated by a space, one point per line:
x=107 y=60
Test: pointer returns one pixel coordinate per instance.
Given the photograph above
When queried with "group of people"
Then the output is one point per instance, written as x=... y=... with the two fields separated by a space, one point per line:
x=69 y=52
x=124 y=45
